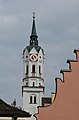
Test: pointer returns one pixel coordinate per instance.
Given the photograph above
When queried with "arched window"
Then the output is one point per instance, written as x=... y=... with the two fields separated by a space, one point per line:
x=39 y=84
x=33 y=84
x=39 y=69
x=27 y=69
x=31 y=99
x=34 y=99
x=33 y=68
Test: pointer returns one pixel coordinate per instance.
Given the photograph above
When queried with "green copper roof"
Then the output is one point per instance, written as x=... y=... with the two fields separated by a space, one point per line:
x=33 y=33
x=33 y=37
x=29 y=48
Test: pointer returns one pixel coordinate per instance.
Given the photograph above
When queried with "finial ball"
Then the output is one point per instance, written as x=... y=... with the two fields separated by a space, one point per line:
x=33 y=14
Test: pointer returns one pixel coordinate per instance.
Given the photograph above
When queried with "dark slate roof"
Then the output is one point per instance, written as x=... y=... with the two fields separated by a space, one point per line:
x=33 y=28
x=29 y=48
x=10 y=111
x=46 y=100
x=33 y=39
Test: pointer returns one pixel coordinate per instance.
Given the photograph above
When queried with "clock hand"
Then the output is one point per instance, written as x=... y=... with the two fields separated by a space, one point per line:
x=32 y=57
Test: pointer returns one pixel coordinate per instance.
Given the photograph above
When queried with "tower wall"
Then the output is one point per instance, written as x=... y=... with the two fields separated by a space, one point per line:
x=33 y=81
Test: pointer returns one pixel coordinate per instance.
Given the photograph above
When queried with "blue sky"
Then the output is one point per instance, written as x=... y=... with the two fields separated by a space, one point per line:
x=57 y=24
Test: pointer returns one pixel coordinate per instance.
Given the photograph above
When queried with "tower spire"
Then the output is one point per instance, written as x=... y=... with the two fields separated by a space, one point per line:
x=33 y=81
x=33 y=40
x=33 y=33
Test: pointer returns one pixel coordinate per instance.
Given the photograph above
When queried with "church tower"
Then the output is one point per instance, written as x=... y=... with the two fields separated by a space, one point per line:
x=33 y=81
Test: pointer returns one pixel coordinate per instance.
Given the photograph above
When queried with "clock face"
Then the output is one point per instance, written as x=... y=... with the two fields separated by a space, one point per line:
x=33 y=57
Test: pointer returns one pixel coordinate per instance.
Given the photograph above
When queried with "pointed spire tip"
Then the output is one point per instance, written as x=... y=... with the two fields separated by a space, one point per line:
x=33 y=33
x=33 y=40
x=33 y=15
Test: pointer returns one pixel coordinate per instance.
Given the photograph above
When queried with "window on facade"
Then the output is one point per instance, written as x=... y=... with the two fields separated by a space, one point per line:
x=39 y=69
x=33 y=68
x=27 y=69
x=31 y=100
x=39 y=84
x=33 y=84
x=34 y=99
x=27 y=84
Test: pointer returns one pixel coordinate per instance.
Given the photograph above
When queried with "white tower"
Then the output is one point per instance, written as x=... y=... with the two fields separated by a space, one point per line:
x=33 y=82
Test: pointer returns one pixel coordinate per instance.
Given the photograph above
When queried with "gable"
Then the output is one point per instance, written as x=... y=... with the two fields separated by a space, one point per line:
x=29 y=48
x=66 y=104
x=33 y=50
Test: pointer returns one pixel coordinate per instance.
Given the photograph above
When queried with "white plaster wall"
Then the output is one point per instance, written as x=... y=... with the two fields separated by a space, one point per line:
x=26 y=62
x=28 y=91
x=32 y=108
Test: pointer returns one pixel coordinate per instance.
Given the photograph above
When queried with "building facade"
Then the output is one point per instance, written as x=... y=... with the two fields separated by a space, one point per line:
x=8 y=112
x=66 y=104
x=33 y=80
